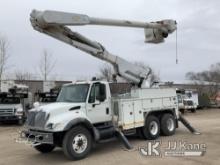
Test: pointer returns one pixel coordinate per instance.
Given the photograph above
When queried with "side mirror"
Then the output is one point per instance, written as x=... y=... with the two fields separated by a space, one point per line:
x=36 y=104
x=97 y=102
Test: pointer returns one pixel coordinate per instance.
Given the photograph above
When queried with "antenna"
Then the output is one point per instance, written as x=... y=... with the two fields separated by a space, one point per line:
x=176 y=48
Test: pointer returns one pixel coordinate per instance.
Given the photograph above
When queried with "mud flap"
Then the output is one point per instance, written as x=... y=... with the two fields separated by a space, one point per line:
x=124 y=140
x=188 y=126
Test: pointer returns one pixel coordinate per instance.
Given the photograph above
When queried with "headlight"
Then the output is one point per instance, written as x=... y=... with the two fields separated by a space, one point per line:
x=49 y=126
x=52 y=126
x=19 y=111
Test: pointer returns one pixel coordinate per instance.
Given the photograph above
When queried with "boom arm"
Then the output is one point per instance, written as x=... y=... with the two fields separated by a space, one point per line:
x=54 y=24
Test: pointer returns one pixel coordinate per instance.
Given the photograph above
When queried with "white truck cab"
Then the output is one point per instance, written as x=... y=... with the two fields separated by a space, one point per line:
x=187 y=99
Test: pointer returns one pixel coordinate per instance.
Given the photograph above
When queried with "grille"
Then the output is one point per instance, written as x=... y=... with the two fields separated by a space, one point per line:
x=188 y=102
x=36 y=119
x=6 y=112
x=31 y=118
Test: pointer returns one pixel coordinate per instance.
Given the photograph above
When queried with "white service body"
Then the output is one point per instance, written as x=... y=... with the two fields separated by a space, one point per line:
x=132 y=111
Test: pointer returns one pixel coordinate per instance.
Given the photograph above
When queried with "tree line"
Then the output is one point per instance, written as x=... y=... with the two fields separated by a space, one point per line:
x=207 y=81
x=46 y=63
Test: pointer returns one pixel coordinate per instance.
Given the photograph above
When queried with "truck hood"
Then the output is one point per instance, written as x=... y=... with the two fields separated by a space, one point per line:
x=58 y=112
x=59 y=107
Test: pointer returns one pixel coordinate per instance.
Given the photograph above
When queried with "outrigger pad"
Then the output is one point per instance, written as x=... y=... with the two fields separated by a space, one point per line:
x=124 y=140
x=188 y=126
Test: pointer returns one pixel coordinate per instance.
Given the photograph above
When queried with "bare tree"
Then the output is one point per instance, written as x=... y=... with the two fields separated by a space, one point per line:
x=46 y=65
x=21 y=76
x=4 y=55
x=210 y=78
x=153 y=76
x=211 y=75
x=106 y=72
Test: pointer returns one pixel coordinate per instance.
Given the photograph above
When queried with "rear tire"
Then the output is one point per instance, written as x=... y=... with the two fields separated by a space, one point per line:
x=45 y=148
x=77 y=143
x=151 y=129
x=168 y=124
x=182 y=111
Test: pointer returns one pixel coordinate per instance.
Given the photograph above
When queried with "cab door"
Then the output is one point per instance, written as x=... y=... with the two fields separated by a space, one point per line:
x=98 y=105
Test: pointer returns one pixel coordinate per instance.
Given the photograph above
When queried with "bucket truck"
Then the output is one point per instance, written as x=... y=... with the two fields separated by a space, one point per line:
x=188 y=100
x=14 y=102
x=48 y=95
x=86 y=112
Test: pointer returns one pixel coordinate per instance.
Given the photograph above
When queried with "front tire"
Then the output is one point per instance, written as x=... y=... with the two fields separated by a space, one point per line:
x=151 y=129
x=168 y=124
x=45 y=148
x=20 y=122
x=77 y=143
x=193 y=110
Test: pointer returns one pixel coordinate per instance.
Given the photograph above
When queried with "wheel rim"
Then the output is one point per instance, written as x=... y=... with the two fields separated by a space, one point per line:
x=80 y=143
x=153 y=127
x=170 y=124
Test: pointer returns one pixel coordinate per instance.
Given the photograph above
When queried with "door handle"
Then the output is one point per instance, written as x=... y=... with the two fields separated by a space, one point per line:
x=107 y=110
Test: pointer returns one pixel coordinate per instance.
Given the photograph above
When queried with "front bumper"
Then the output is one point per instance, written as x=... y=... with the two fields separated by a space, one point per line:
x=10 y=118
x=35 y=136
x=189 y=107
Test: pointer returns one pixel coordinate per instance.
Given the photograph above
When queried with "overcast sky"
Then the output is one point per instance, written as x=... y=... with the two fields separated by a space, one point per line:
x=198 y=36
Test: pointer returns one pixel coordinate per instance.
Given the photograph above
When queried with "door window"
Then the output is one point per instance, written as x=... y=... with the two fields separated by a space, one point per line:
x=98 y=92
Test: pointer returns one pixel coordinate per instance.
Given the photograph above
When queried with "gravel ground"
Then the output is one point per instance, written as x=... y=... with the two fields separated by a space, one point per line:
x=206 y=121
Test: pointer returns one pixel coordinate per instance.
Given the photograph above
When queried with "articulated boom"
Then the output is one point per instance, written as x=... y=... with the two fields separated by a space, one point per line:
x=54 y=24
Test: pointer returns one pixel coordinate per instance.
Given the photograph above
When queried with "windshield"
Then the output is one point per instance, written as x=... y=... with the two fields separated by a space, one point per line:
x=73 y=93
x=179 y=99
x=189 y=95
x=48 y=99
x=9 y=100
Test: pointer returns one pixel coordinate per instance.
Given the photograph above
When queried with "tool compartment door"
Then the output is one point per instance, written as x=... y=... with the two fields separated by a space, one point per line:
x=138 y=113
x=168 y=101
x=152 y=104
x=127 y=115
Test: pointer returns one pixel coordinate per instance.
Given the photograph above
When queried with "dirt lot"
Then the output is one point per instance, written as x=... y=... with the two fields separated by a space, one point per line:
x=206 y=121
